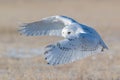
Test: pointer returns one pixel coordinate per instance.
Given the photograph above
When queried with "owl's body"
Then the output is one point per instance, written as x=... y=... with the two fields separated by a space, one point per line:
x=80 y=40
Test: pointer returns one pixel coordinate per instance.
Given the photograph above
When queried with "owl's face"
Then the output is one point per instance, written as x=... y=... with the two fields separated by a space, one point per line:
x=67 y=32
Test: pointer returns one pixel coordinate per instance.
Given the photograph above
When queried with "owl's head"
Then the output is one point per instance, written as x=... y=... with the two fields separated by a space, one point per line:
x=68 y=31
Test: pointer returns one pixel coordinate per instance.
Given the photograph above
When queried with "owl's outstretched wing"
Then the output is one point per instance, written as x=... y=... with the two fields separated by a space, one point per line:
x=47 y=26
x=69 y=50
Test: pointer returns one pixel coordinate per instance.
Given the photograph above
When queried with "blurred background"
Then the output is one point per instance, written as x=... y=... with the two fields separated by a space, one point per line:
x=20 y=57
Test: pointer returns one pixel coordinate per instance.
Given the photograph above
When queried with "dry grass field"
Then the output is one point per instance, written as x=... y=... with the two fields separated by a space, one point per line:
x=103 y=15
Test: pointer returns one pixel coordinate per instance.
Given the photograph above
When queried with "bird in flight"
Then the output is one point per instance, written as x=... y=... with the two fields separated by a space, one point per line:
x=79 y=41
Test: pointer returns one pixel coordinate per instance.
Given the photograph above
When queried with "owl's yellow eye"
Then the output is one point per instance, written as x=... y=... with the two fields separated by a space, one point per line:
x=69 y=32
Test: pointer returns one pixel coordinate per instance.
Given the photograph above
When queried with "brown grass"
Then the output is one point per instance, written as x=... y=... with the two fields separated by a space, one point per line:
x=102 y=15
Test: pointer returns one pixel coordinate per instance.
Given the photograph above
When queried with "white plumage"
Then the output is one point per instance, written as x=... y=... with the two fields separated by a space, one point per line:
x=80 y=40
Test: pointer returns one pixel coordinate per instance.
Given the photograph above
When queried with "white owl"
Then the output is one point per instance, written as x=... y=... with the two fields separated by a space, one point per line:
x=80 y=40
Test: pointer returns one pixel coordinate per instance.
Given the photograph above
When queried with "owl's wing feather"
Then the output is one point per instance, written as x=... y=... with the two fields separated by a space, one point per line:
x=69 y=50
x=47 y=26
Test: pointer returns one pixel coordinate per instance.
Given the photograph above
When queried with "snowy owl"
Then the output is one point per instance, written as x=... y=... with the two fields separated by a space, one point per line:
x=79 y=41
